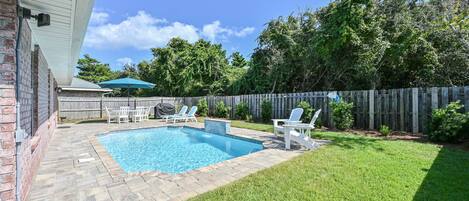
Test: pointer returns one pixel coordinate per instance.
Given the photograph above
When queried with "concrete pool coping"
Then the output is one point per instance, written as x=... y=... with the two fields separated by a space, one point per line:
x=117 y=172
x=62 y=177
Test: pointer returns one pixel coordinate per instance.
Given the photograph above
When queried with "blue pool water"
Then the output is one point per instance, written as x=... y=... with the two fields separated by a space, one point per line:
x=173 y=149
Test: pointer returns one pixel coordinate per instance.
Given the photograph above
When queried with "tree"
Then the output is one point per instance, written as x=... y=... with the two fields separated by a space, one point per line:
x=238 y=61
x=362 y=44
x=90 y=69
x=129 y=70
x=346 y=45
x=185 y=69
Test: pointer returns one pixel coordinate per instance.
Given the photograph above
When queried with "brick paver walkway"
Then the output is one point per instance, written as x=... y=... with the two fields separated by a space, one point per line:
x=62 y=177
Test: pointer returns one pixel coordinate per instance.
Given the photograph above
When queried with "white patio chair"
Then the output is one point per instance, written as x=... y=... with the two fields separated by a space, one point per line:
x=123 y=114
x=298 y=133
x=189 y=116
x=110 y=116
x=146 y=115
x=181 y=113
x=295 y=116
x=139 y=114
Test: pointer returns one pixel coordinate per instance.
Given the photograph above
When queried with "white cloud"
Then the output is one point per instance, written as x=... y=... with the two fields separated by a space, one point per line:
x=99 y=17
x=215 y=30
x=124 y=60
x=244 y=32
x=143 y=31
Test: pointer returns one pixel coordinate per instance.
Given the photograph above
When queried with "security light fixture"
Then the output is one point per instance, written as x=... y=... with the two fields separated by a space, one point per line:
x=41 y=18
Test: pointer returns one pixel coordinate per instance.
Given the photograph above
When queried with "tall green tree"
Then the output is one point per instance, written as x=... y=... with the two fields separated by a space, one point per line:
x=129 y=70
x=185 y=69
x=346 y=45
x=363 y=44
x=92 y=70
x=238 y=61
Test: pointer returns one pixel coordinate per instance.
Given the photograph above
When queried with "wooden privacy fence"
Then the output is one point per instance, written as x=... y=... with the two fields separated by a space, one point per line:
x=81 y=108
x=401 y=109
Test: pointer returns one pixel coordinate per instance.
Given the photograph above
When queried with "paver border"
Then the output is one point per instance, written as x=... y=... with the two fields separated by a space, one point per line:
x=117 y=172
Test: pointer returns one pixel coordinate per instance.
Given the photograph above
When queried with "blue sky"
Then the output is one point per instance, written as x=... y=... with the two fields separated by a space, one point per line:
x=124 y=31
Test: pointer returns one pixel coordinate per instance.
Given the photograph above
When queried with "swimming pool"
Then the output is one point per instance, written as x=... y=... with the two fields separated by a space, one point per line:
x=173 y=149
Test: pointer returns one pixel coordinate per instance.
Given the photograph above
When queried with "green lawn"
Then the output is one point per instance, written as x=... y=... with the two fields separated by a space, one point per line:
x=357 y=168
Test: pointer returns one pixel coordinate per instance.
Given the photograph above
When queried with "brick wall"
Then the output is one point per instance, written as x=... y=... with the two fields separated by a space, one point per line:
x=7 y=99
x=37 y=96
x=43 y=117
x=25 y=93
x=40 y=84
x=42 y=89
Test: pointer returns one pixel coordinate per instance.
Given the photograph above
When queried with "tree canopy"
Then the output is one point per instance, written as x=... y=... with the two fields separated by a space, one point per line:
x=363 y=44
x=346 y=45
x=92 y=70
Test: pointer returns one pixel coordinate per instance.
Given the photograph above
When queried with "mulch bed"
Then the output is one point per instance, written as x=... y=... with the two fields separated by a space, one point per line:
x=400 y=135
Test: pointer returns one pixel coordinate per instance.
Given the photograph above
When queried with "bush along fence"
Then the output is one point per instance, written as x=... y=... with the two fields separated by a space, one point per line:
x=400 y=109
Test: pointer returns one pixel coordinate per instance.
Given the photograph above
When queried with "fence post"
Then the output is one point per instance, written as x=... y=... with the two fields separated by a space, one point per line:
x=466 y=98
x=434 y=97
x=371 y=109
x=101 y=108
x=415 y=110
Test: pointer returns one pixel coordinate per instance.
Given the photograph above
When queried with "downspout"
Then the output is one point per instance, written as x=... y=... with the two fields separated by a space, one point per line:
x=20 y=134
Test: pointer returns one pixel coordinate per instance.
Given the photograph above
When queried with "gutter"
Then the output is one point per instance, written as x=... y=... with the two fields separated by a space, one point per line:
x=85 y=89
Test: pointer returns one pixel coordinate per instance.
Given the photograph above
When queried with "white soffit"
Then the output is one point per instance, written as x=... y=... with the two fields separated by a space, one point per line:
x=62 y=40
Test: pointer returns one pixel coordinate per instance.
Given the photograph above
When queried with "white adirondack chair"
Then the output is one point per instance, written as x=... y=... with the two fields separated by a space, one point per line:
x=298 y=133
x=295 y=116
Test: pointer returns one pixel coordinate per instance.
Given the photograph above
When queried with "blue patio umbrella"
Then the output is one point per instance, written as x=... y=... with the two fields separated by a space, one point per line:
x=126 y=83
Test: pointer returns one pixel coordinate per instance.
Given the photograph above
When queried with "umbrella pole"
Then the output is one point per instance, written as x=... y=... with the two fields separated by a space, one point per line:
x=128 y=97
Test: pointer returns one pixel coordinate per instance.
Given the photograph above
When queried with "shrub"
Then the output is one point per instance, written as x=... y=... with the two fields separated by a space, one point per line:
x=242 y=110
x=342 y=114
x=249 y=118
x=221 y=110
x=266 y=112
x=448 y=124
x=202 y=107
x=385 y=130
x=307 y=111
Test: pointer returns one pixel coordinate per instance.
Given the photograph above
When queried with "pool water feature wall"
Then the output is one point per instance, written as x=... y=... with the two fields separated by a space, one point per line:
x=217 y=126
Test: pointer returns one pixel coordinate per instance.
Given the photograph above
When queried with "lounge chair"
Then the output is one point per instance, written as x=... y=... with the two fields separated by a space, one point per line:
x=295 y=116
x=298 y=133
x=181 y=113
x=189 y=116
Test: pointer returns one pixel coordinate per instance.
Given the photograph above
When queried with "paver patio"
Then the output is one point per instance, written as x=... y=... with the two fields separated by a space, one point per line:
x=62 y=177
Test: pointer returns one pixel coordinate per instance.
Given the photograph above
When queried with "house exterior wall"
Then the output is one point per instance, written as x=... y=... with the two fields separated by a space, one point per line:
x=38 y=98
x=8 y=27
